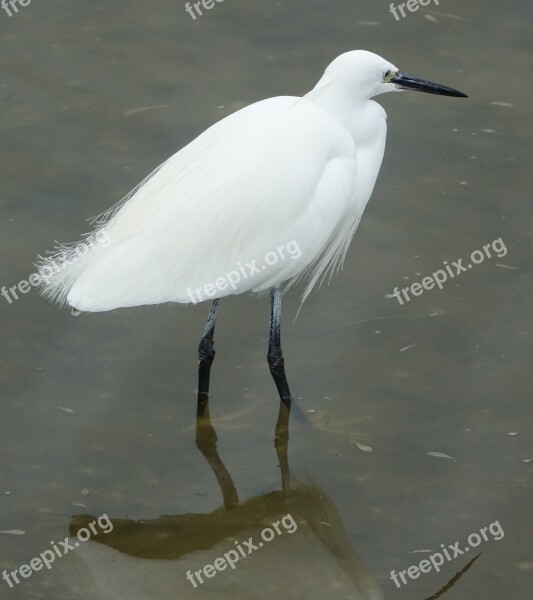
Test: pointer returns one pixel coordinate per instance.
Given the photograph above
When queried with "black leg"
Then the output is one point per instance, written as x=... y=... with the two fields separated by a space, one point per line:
x=206 y=355
x=275 y=356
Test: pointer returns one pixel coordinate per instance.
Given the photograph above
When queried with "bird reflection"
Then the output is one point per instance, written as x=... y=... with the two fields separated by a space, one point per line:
x=158 y=559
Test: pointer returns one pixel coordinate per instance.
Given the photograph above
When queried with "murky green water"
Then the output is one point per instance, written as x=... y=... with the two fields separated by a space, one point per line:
x=98 y=412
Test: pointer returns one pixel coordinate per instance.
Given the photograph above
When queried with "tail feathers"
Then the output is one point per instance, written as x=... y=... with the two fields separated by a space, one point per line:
x=59 y=269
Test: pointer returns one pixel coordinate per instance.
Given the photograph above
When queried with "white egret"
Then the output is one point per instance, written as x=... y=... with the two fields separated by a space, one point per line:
x=287 y=170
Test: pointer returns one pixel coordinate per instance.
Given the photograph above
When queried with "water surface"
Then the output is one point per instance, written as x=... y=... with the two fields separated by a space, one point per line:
x=98 y=412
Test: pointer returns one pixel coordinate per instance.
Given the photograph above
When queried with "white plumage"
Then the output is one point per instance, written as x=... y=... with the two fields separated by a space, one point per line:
x=284 y=169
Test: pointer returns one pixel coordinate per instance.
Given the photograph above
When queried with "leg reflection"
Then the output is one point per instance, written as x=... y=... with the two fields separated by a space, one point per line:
x=206 y=442
x=281 y=443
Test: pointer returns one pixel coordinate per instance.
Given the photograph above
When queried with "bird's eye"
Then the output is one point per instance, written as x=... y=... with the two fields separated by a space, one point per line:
x=388 y=76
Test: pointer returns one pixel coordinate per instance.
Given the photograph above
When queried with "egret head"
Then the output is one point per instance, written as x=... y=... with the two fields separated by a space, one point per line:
x=366 y=75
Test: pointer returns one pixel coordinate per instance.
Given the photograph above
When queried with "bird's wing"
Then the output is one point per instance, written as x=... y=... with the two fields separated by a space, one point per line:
x=278 y=172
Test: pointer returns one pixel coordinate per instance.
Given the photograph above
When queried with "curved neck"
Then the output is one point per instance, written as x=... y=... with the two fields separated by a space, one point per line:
x=337 y=99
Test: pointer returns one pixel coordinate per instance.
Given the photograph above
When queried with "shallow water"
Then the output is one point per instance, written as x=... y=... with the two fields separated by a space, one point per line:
x=98 y=411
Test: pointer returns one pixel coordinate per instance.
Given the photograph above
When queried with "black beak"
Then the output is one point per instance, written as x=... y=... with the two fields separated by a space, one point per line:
x=408 y=82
